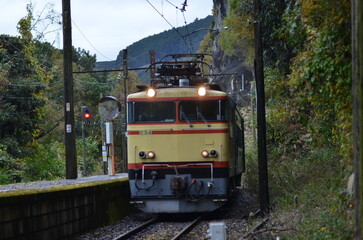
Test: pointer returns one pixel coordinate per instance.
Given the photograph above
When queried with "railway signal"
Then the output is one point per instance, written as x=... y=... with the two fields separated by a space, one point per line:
x=109 y=108
x=86 y=115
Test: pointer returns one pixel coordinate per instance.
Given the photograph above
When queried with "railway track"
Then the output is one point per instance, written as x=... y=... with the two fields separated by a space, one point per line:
x=135 y=230
x=237 y=216
x=149 y=228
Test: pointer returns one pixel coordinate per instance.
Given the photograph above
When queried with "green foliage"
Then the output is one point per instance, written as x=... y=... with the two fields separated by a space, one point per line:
x=42 y=163
x=45 y=163
x=237 y=40
x=321 y=202
x=24 y=25
x=83 y=59
x=277 y=52
x=291 y=31
x=31 y=100
x=308 y=102
x=92 y=153
x=22 y=94
x=10 y=168
x=320 y=76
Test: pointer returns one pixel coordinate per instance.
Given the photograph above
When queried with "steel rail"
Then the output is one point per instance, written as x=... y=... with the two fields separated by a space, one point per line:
x=187 y=228
x=136 y=229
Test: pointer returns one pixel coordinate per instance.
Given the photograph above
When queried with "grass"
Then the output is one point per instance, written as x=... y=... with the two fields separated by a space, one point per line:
x=307 y=191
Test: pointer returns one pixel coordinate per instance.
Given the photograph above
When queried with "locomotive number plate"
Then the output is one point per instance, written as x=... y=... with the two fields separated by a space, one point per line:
x=145 y=132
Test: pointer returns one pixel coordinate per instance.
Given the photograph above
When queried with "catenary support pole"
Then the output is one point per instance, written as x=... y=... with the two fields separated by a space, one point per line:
x=126 y=77
x=261 y=119
x=70 y=137
x=357 y=88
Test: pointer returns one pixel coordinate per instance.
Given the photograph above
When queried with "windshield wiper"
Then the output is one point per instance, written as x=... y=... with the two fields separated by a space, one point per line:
x=186 y=119
x=199 y=114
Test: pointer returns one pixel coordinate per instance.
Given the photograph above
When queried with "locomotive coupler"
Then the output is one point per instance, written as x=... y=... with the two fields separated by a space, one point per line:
x=178 y=183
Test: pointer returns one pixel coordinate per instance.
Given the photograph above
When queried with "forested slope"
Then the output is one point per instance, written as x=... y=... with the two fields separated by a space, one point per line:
x=184 y=39
x=31 y=107
x=307 y=69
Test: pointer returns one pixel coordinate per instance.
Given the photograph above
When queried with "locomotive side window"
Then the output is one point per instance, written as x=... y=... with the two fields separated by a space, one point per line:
x=139 y=112
x=199 y=111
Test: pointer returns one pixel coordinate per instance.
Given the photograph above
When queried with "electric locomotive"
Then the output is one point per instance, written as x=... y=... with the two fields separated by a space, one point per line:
x=185 y=140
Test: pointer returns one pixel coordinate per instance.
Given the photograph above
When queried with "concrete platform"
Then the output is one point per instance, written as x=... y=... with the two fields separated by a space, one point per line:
x=62 y=209
x=59 y=183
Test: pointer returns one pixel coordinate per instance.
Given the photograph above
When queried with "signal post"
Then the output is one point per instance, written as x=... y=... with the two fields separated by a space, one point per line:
x=86 y=117
x=109 y=108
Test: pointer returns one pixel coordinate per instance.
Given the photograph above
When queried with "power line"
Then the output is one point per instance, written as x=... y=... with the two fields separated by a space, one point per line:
x=161 y=15
x=181 y=9
x=119 y=65
x=112 y=70
x=95 y=83
x=22 y=52
x=9 y=97
x=31 y=85
x=90 y=42
x=172 y=4
x=186 y=26
x=167 y=22
x=185 y=21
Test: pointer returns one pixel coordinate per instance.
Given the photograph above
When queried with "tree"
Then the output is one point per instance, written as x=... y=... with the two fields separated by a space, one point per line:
x=27 y=72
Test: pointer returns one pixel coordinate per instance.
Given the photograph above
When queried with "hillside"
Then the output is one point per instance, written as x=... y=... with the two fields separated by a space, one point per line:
x=167 y=42
x=308 y=89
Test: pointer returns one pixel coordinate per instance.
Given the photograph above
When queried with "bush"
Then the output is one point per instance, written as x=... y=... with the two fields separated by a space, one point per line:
x=45 y=163
x=10 y=168
x=93 y=156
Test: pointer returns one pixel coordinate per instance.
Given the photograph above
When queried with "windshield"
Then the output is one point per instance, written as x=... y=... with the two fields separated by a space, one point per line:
x=202 y=111
x=151 y=112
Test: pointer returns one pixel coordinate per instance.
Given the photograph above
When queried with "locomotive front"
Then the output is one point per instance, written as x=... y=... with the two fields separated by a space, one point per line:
x=179 y=148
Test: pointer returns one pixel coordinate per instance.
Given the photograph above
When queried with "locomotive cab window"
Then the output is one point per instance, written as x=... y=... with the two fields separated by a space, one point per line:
x=199 y=111
x=139 y=112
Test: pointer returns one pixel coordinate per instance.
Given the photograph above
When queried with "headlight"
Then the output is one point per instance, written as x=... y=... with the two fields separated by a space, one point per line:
x=150 y=154
x=151 y=92
x=202 y=91
x=205 y=153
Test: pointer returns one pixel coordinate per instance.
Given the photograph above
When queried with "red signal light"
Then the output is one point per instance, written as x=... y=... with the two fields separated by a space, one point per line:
x=86 y=115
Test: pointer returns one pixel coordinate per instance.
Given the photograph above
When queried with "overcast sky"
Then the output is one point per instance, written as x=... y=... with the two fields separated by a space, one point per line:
x=104 y=27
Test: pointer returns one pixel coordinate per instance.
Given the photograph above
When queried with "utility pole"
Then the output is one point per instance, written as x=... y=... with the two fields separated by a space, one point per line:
x=70 y=137
x=152 y=64
x=126 y=76
x=357 y=88
x=261 y=118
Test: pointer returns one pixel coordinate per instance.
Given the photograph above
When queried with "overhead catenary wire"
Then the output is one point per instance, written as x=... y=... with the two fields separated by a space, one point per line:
x=172 y=4
x=185 y=21
x=111 y=70
x=188 y=32
x=51 y=84
x=181 y=9
x=34 y=84
x=119 y=65
x=89 y=41
x=23 y=53
x=96 y=83
x=162 y=15
x=175 y=29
